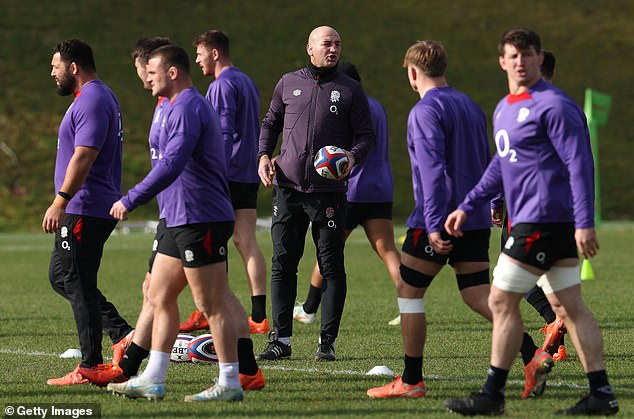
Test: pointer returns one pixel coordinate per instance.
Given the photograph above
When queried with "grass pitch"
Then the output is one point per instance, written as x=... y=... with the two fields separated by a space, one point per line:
x=37 y=326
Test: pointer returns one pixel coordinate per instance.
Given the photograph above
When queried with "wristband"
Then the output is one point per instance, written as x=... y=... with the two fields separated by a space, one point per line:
x=65 y=195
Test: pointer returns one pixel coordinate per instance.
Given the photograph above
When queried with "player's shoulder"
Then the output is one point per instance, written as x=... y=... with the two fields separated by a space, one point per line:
x=300 y=74
x=95 y=95
x=552 y=98
x=375 y=104
x=434 y=100
x=187 y=99
x=93 y=90
x=346 y=80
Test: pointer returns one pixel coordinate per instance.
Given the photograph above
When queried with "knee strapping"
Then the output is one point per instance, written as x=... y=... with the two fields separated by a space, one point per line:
x=473 y=279
x=411 y=305
x=510 y=277
x=559 y=277
x=414 y=278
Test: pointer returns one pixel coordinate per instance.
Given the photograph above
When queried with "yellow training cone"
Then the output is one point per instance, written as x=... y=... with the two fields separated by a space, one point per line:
x=587 y=274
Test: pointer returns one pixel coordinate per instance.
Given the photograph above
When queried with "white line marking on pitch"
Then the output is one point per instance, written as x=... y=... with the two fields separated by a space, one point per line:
x=318 y=371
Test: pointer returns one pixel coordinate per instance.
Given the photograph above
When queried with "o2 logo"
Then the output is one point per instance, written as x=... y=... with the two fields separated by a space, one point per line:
x=503 y=145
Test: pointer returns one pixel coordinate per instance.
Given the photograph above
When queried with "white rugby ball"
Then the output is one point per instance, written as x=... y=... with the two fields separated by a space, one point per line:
x=201 y=350
x=331 y=162
x=180 y=353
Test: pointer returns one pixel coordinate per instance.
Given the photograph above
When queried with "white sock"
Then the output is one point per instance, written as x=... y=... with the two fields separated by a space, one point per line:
x=228 y=374
x=285 y=341
x=156 y=368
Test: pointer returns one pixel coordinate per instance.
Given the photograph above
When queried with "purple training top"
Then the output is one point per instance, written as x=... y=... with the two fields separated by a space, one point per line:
x=449 y=152
x=162 y=106
x=92 y=120
x=372 y=181
x=543 y=158
x=235 y=97
x=191 y=173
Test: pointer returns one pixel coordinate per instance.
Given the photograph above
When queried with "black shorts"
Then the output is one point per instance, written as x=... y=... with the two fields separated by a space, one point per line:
x=473 y=246
x=197 y=244
x=359 y=212
x=541 y=244
x=161 y=232
x=244 y=195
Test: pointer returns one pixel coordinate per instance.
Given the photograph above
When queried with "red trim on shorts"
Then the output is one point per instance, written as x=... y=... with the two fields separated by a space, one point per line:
x=77 y=230
x=532 y=239
x=207 y=242
x=416 y=235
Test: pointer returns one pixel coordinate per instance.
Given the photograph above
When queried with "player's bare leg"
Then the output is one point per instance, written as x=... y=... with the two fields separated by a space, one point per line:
x=380 y=233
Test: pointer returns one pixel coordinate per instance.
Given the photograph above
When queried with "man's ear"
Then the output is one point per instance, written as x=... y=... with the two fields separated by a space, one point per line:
x=172 y=72
x=502 y=63
x=413 y=73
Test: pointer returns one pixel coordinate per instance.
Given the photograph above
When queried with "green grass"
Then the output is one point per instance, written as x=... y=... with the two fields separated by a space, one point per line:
x=36 y=320
x=590 y=39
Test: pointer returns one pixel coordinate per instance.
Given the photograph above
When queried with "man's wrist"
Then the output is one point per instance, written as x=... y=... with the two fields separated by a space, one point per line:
x=65 y=195
x=262 y=154
x=59 y=202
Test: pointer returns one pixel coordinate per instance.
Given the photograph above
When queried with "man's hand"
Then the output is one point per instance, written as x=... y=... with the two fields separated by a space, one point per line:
x=350 y=164
x=119 y=211
x=587 y=242
x=455 y=220
x=440 y=246
x=266 y=171
x=497 y=217
x=54 y=215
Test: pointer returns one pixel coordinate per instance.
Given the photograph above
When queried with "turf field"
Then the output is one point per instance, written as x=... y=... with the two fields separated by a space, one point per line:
x=37 y=325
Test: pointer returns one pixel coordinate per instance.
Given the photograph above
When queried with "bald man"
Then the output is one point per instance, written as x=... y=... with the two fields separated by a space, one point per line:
x=313 y=107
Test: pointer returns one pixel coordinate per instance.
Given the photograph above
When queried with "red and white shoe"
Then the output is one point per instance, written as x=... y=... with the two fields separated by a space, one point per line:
x=72 y=378
x=261 y=328
x=196 y=321
x=561 y=354
x=253 y=382
x=119 y=348
x=536 y=372
x=396 y=389
x=103 y=374
x=553 y=333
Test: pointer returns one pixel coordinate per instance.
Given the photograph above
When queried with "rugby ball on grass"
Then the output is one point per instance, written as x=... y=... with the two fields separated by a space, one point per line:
x=180 y=352
x=201 y=350
x=331 y=162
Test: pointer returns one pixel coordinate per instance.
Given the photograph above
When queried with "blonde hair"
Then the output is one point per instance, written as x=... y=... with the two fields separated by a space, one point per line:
x=429 y=56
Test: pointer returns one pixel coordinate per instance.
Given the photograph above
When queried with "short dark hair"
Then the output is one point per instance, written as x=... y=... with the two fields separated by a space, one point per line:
x=172 y=56
x=349 y=70
x=78 y=52
x=145 y=46
x=214 y=39
x=548 y=65
x=520 y=38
